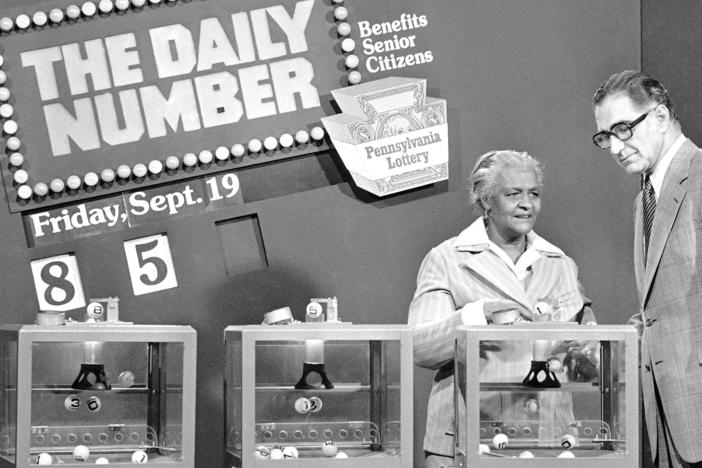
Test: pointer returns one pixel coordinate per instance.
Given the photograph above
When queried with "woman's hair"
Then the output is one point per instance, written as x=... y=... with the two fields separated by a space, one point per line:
x=640 y=88
x=482 y=181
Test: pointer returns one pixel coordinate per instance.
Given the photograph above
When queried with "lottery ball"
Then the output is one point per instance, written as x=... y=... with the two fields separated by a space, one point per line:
x=126 y=378
x=102 y=461
x=483 y=448
x=94 y=403
x=566 y=454
x=329 y=449
x=531 y=406
x=555 y=364
x=500 y=441
x=71 y=402
x=81 y=452
x=262 y=453
x=44 y=459
x=341 y=455
x=290 y=452
x=526 y=454
x=139 y=456
x=302 y=405
x=568 y=441
x=276 y=454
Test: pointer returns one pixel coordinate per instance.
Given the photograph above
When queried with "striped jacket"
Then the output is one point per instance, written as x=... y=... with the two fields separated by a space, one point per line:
x=460 y=271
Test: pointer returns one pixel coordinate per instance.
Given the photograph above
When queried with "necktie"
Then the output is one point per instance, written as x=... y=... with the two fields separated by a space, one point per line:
x=649 y=208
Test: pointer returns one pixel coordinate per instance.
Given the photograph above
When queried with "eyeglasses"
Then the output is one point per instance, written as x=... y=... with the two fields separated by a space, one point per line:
x=621 y=130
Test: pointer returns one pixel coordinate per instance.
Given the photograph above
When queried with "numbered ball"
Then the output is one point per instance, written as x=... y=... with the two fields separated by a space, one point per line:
x=566 y=454
x=44 y=459
x=139 y=456
x=315 y=404
x=126 y=378
x=568 y=441
x=483 y=449
x=102 y=461
x=81 y=452
x=290 y=452
x=531 y=406
x=71 y=402
x=262 y=453
x=341 y=455
x=302 y=405
x=500 y=441
x=329 y=449
x=276 y=454
x=94 y=404
x=526 y=454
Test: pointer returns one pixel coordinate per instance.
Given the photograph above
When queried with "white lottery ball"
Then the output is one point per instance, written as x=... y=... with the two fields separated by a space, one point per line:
x=341 y=455
x=568 y=441
x=262 y=453
x=531 y=406
x=302 y=405
x=290 y=452
x=139 y=456
x=94 y=403
x=276 y=454
x=500 y=441
x=483 y=448
x=44 y=459
x=102 y=461
x=81 y=452
x=543 y=308
x=329 y=449
x=126 y=378
x=566 y=454
x=526 y=454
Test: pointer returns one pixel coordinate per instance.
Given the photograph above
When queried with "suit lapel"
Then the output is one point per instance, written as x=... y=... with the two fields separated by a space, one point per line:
x=667 y=207
x=496 y=275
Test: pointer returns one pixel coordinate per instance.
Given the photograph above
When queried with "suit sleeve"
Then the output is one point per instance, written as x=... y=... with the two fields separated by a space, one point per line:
x=432 y=314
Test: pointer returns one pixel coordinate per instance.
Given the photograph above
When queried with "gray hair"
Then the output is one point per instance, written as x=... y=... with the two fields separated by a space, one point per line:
x=482 y=181
x=640 y=88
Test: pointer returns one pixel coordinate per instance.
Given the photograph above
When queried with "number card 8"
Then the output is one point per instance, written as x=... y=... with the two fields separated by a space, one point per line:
x=57 y=283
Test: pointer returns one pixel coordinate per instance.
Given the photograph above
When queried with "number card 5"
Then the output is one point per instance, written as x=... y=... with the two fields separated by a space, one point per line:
x=150 y=264
x=57 y=283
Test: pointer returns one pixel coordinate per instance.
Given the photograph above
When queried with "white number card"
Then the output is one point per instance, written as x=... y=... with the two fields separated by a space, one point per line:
x=57 y=283
x=150 y=264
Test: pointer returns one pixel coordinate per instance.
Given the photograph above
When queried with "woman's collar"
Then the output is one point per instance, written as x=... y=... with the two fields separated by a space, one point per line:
x=474 y=238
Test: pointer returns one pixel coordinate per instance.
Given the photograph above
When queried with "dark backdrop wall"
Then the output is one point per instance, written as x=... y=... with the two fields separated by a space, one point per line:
x=515 y=74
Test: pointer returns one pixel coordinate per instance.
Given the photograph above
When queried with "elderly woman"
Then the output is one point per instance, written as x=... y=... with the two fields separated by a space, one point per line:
x=496 y=264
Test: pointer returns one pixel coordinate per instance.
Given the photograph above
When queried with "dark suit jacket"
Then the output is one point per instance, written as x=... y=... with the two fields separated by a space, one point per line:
x=670 y=293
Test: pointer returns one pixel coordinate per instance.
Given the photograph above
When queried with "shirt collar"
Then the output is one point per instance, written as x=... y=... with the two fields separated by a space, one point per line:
x=475 y=238
x=662 y=167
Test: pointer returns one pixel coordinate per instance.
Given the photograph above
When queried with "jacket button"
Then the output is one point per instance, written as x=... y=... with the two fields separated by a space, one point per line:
x=648 y=368
x=649 y=322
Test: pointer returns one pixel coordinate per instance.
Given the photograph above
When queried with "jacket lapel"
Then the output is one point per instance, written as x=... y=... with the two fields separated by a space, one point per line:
x=667 y=208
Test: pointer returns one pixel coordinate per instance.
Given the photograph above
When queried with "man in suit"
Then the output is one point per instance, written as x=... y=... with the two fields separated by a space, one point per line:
x=636 y=121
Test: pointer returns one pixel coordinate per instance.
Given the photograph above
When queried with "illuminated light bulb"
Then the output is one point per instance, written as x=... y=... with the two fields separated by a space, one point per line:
x=106 y=6
x=16 y=159
x=91 y=179
x=10 y=127
x=138 y=3
x=73 y=11
x=270 y=143
x=172 y=162
x=57 y=185
x=139 y=170
x=352 y=61
x=348 y=44
x=205 y=156
x=341 y=13
x=23 y=21
x=286 y=140
x=14 y=143
x=317 y=133
x=122 y=4
x=21 y=176
x=6 y=24
x=4 y=94
x=343 y=29
x=24 y=192
x=255 y=145
x=73 y=182
x=56 y=15
x=124 y=171
x=354 y=77
x=39 y=18
x=155 y=166
x=107 y=175
x=302 y=137
x=189 y=159
x=88 y=8
x=238 y=150
x=6 y=111
x=3 y=77
x=222 y=153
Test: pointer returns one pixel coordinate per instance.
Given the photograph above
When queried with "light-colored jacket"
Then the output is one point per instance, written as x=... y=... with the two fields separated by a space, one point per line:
x=462 y=270
x=670 y=293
